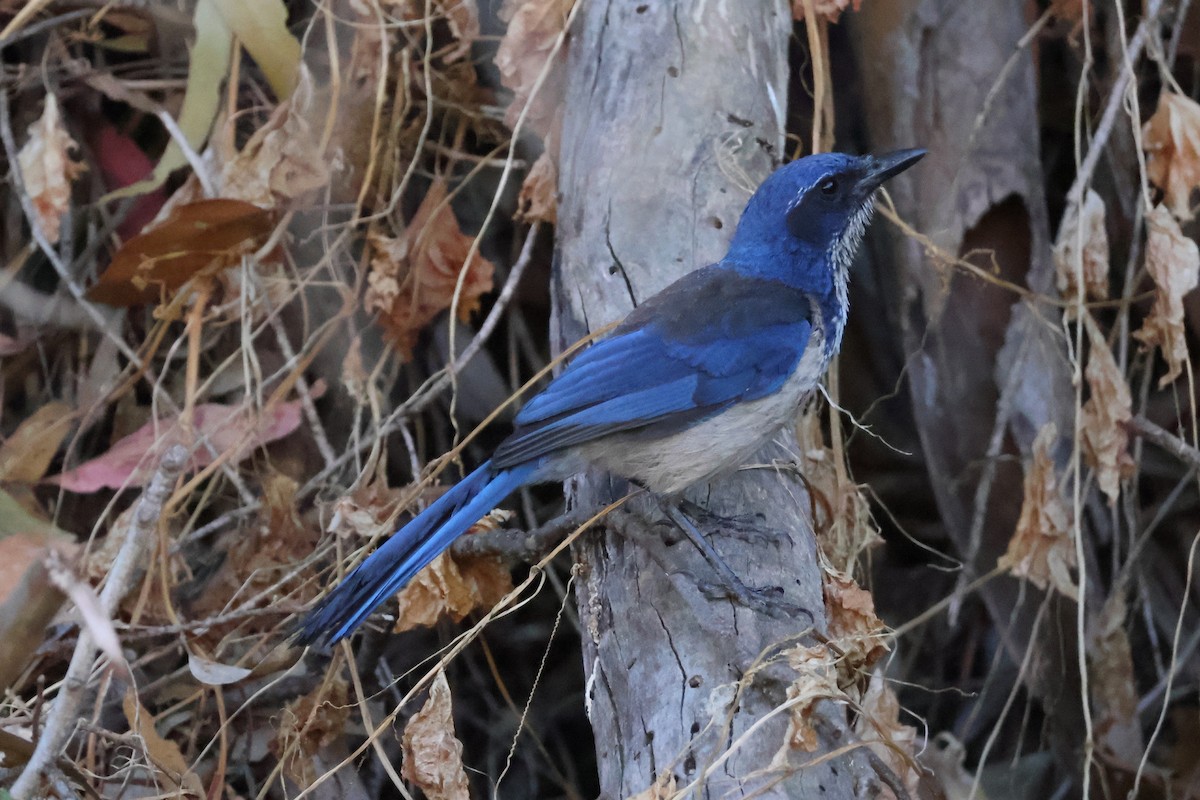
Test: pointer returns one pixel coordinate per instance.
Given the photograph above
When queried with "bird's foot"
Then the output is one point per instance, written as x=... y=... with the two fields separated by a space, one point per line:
x=747 y=528
x=766 y=600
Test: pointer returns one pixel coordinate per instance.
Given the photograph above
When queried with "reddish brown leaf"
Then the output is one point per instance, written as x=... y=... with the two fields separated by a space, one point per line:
x=132 y=460
x=432 y=754
x=1041 y=549
x=413 y=276
x=48 y=169
x=1105 y=415
x=1172 y=141
x=1173 y=261
x=122 y=163
x=1082 y=248
x=204 y=236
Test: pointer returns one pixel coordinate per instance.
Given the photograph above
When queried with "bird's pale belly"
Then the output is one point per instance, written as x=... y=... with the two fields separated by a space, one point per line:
x=716 y=445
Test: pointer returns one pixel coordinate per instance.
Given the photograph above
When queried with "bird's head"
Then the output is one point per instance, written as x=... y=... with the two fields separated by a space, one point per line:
x=816 y=205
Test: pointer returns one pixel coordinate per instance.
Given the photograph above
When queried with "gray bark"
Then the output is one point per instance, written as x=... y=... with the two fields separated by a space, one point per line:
x=674 y=112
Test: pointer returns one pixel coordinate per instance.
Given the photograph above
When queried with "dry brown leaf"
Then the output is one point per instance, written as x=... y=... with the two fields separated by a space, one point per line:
x=1083 y=238
x=879 y=726
x=1112 y=685
x=307 y=725
x=534 y=27
x=1173 y=262
x=413 y=276
x=453 y=588
x=831 y=10
x=816 y=679
x=853 y=626
x=21 y=550
x=432 y=754
x=1041 y=550
x=283 y=159
x=663 y=788
x=170 y=765
x=25 y=456
x=48 y=169
x=1172 y=141
x=844 y=525
x=1105 y=415
x=463 y=18
x=539 y=193
x=1067 y=10
x=200 y=238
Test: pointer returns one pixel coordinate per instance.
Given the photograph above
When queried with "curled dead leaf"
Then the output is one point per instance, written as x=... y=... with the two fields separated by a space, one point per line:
x=843 y=522
x=1172 y=141
x=816 y=679
x=534 y=27
x=878 y=725
x=48 y=169
x=432 y=754
x=1105 y=415
x=1082 y=250
x=539 y=193
x=308 y=724
x=1113 y=686
x=1173 y=261
x=452 y=588
x=1041 y=550
x=413 y=276
x=853 y=626
x=283 y=159
x=830 y=10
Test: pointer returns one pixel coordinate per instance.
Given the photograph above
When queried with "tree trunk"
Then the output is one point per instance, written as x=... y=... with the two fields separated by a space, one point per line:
x=986 y=369
x=674 y=114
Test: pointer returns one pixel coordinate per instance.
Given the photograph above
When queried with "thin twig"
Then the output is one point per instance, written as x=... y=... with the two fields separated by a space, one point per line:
x=1165 y=439
x=64 y=715
x=1108 y=119
x=438 y=383
x=528 y=547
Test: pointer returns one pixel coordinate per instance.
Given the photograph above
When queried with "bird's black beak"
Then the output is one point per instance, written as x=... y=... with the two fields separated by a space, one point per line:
x=880 y=168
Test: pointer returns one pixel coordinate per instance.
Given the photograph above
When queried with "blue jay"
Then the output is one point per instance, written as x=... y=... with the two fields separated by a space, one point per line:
x=689 y=385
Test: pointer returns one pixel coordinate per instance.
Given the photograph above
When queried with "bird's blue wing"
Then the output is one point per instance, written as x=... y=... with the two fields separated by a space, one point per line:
x=711 y=339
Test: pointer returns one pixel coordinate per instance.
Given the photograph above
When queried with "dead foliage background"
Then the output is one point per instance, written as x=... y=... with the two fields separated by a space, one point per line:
x=267 y=265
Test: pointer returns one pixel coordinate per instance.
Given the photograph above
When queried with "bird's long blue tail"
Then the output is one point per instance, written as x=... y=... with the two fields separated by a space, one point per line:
x=408 y=552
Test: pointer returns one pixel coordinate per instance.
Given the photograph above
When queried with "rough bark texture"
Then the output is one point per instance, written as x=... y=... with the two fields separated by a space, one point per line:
x=986 y=369
x=674 y=113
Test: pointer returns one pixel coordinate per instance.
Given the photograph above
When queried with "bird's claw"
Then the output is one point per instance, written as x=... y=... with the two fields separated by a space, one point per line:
x=748 y=528
x=766 y=600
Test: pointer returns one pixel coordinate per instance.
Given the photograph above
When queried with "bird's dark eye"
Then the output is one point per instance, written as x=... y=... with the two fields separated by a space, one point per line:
x=829 y=187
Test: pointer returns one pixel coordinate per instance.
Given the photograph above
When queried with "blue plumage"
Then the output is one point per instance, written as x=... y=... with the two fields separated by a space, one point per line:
x=690 y=383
